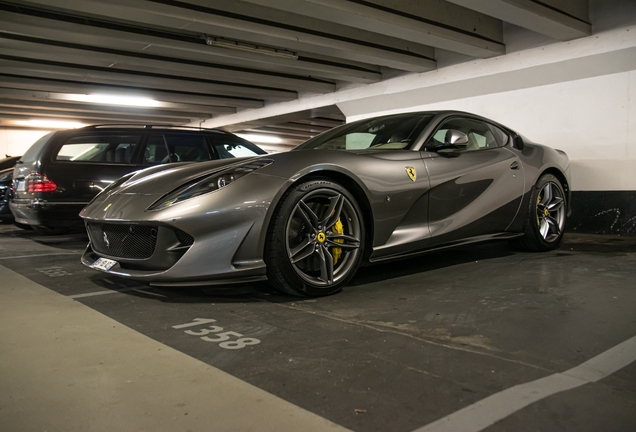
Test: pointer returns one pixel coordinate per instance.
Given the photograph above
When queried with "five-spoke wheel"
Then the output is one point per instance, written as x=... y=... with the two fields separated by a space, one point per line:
x=546 y=214
x=551 y=211
x=316 y=240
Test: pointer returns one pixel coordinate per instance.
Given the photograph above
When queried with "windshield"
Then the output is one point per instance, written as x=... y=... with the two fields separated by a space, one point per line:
x=388 y=132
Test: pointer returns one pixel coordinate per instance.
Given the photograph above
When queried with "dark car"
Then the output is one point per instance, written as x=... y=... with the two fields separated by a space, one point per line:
x=64 y=170
x=8 y=162
x=6 y=178
x=369 y=191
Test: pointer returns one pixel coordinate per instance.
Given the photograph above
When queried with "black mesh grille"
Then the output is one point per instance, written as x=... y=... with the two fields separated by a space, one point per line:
x=184 y=238
x=123 y=241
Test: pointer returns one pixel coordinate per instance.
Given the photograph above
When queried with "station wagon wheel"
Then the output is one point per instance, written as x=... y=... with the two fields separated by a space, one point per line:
x=316 y=241
x=545 y=217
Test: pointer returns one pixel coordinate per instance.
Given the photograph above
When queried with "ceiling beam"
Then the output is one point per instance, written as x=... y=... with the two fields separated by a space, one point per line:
x=65 y=86
x=192 y=49
x=41 y=69
x=20 y=114
x=67 y=99
x=280 y=133
x=174 y=41
x=245 y=22
x=85 y=56
x=540 y=17
x=428 y=22
x=100 y=109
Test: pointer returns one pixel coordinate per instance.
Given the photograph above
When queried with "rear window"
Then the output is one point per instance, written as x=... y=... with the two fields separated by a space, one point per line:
x=32 y=153
x=115 y=149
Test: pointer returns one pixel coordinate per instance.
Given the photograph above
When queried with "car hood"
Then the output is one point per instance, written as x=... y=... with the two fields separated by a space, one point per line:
x=162 y=179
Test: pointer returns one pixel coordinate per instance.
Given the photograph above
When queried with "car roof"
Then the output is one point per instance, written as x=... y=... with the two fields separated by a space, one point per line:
x=154 y=127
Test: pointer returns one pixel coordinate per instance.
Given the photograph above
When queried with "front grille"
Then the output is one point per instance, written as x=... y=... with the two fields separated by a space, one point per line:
x=184 y=238
x=122 y=240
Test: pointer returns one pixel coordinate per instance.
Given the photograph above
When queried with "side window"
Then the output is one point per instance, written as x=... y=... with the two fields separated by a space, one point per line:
x=156 y=151
x=115 y=149
x=233 y=149
x=480 y=136
x=188 y=148
x=500 y=134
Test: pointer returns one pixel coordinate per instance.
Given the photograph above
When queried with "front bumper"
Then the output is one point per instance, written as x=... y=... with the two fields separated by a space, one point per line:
x=49 y=214
x=227 y=227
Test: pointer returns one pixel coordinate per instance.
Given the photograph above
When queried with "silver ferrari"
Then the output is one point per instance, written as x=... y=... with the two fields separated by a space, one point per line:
x=373 y=190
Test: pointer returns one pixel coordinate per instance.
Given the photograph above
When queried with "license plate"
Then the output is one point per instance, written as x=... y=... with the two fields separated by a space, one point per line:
x=21 y=185
x=103 y=264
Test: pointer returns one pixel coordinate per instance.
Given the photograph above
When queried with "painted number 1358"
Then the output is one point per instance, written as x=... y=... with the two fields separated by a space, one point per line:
x=215 y=333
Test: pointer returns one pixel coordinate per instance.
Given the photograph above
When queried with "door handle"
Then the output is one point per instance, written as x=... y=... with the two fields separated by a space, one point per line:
x=514 y=165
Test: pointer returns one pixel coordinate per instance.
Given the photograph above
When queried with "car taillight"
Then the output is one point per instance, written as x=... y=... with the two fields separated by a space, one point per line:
x=38 y=183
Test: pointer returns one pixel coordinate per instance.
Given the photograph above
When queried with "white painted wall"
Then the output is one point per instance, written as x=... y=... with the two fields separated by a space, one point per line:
x=15 y=142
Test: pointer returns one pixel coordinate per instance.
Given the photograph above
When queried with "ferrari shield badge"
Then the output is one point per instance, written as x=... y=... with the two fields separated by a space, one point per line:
x=411 y=172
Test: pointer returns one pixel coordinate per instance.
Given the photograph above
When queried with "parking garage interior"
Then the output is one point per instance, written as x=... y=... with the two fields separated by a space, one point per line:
x=470 y=338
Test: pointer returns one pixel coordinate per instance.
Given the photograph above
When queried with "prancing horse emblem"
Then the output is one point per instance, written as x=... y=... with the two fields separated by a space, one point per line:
x=106 y=241
x=411 y=172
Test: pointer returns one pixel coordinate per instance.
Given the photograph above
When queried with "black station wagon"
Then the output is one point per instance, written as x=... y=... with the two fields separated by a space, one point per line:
x=62 y=171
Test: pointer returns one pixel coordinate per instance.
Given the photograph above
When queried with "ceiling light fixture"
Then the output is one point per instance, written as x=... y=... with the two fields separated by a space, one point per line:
x=52 y=124
x=261 y=138
x=242 y=46
x=137 y=101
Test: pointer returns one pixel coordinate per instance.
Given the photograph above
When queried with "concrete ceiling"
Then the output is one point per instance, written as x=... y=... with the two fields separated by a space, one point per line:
x=200 y=59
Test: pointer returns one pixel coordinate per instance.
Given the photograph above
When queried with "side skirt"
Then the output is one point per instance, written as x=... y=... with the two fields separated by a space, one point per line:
x=478 y=239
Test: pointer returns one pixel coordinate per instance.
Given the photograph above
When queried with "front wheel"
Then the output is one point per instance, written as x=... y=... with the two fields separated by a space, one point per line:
x=545 y=218
x=316 y=240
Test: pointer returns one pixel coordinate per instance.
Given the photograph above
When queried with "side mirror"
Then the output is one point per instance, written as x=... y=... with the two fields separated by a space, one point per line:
x=455 y=138
x=517 y=142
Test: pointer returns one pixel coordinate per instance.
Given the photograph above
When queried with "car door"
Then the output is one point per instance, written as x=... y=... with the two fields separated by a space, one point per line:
x=476 y=189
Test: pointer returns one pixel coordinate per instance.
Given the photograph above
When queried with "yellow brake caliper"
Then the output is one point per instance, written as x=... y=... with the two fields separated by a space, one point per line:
x=337 y=252
x=538 y=202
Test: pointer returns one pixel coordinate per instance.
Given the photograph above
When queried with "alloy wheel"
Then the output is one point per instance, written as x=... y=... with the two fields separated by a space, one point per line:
x=323 y=237
x=550 y=212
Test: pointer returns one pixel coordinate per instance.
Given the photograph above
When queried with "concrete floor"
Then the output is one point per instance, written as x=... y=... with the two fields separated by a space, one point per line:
x=406 y=344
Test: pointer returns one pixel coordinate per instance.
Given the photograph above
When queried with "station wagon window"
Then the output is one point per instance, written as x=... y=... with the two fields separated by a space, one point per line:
x=479 y=134
x=188 y=148
x=115 y=149
x=156 y=151
x=234 y=149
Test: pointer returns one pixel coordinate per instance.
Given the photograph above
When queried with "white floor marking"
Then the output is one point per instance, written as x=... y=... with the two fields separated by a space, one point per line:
x=39 y=255
x=492 y=409
x=98 y=293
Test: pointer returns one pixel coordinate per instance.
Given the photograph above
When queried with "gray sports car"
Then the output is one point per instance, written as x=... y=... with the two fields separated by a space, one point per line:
x=372 y=190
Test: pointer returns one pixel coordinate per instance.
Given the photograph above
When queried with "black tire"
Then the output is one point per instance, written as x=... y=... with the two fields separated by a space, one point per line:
x=545 y=220
x=23 y=226
x=304 y=238
x=48 y=231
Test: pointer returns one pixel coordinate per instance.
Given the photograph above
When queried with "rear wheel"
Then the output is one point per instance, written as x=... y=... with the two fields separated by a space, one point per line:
x=315 y=241
x=545 y=218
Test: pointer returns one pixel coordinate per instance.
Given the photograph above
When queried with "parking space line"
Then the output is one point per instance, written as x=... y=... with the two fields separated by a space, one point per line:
x=494 y=408
x=40 y=255
x=98 y=293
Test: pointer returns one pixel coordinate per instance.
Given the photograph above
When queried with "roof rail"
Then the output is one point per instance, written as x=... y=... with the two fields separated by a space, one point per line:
x=151 y=126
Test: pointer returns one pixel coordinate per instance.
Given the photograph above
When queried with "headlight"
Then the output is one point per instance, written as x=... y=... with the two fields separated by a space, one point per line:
x=208 y=184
